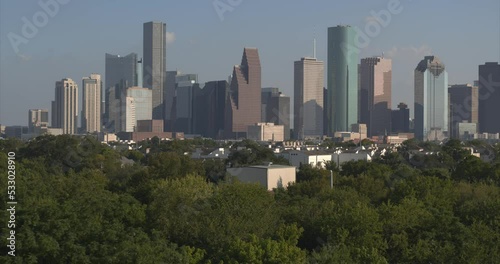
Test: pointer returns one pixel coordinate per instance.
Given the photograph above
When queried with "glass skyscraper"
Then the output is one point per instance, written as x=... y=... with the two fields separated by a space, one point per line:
x=342 y=78
x=154 y=61
x=431 y=99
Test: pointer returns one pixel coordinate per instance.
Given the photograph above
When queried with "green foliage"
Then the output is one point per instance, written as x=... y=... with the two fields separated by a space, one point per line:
x=77 y=203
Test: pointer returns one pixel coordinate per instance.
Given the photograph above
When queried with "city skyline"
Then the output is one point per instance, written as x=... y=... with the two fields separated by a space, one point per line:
x=192 y=51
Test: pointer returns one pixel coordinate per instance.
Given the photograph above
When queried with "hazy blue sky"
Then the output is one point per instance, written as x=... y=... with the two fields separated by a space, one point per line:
x=462 y=33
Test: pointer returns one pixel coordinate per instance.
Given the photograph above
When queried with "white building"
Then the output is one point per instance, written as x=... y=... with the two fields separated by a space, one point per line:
x=313 y=158
x=271 y=177
x=341 y=157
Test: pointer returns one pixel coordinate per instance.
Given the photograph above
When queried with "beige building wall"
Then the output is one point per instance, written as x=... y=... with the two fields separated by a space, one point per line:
x=91 y=103
x=266 y=132
x=65 y=106
x=308 y=97
x=270 y=177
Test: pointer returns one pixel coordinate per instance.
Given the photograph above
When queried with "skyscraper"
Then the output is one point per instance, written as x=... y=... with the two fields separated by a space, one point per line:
x=400 y=119
x=154 y=60
x=37 y=118
x=308 y=98
x=91 y=103
x=463 y=106
x=375 y=95
x=185 y=87
x=243 y=102
x=431 y=99
x=209 y=109
x=276 y=109
x=136 y=105
x=489 y=97
x=65 y=106
x=119 y=70
x=342 y=78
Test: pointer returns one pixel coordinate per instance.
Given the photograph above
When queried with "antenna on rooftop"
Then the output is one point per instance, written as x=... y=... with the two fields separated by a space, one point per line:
x=314 y=43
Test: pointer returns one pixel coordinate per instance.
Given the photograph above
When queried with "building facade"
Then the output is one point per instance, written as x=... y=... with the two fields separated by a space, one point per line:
x=375 y=95
x=400 y=119
x=431 y=99
x=276 y=109
x=244 y=98
x=154 y=64
x=65 y=106
x=463 y=107
x=308 y=98
x=342 y=78
x=136 y=105
x=91 y=103
x=118 y=70
x=266 y=132
x=489 y=97
x=37 y=118
x=210 y=109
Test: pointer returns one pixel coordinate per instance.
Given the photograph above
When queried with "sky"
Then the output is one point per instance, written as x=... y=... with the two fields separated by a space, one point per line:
x=207 y=38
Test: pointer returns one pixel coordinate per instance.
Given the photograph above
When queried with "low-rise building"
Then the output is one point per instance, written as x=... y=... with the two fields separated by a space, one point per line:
x=266 y=132
x=270 y=176
x=315 y=158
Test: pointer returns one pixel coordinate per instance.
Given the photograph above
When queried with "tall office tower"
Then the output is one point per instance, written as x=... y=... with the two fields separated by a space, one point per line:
x=209 y=109
x=375 y=95
x=91 y=103
x=266 y=93
x=276 y=109
x=489 y=97
x=243 y=102
x=118 y=70
x=431 y=99
x=168 y=103
x=186 y=85
x=463 y=106
x=308 y=98
x=136 y=105
x=400 y=119
x=342 y=78
x=65 y=106
x=154 y=60
x=37 y=118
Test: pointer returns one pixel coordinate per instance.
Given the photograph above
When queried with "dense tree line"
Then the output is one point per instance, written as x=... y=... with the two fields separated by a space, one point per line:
x=78 y=202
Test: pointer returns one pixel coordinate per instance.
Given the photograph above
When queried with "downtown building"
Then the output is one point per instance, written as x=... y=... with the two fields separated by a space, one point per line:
x=308 y=98
x=179 y=114
x=136 y=105
x=400 y=119
x=154 y=63
x=244 y=98
x=276 y=109
x=375 y=75
x=37 y=118
x=489 y=98
x=65 y=106
x=121 y=72
x=209 y=109
x=463 y=108
x=431 y=100
x=342 y=78
x=91 y=103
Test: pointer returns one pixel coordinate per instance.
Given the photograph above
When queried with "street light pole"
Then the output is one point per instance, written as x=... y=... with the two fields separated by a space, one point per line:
x=331 y=179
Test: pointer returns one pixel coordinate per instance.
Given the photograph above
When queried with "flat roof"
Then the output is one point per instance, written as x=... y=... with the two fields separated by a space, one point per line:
x=272 y=167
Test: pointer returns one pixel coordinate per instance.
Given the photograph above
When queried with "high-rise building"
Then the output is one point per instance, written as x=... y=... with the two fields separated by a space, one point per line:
x=400 y=119
x=431 y=99
x=308 y=98
x=342 y=78
x=243 y=102
x=136 y=105
x=91 y=103
x=65 y=106
x=154 y=64
x=463 y=106
x=37 y=118
x=489 y=97
x=375 y=95
x=276 y=109
x=209 y=109
x=186 y=86
x=119 y=70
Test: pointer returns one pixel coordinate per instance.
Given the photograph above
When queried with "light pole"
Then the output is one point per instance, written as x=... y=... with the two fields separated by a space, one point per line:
x=331 y=179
